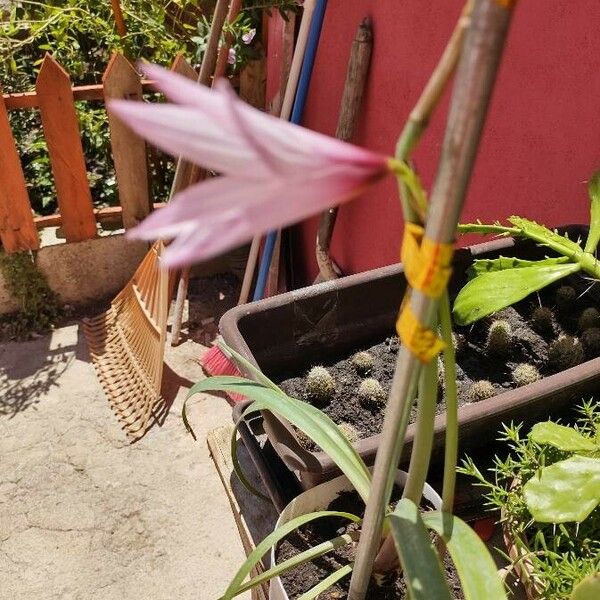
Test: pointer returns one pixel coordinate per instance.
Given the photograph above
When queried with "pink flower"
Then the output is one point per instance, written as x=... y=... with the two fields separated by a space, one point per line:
x=273 y=173
x=249 y=36
x=231 y=56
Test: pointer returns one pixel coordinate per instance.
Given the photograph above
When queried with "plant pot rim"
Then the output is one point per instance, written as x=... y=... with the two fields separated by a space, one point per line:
x=329 y=490
x=472 y=417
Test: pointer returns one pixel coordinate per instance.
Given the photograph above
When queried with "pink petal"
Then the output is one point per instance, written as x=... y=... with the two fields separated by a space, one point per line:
x=215 y=216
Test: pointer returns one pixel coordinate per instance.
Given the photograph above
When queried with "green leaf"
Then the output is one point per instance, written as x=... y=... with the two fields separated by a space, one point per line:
x=310 y=420
x=474 y=565
x=298 y=559
x=502 y=263
x=327 y=583
x=421 y=566
x=561 y=437
x=274 y=538
x=493 y=291
x=587 y=589
x=594 y=234
x=566 y=491
x=479 y=227
x=551 y=239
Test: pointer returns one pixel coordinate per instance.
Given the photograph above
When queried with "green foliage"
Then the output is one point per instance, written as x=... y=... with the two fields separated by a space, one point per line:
x=480 y=390
x=498 y=283
x=560 y=554
x=564 y=353
x=524 y=374
x=371 y=392
x=588 y=589
x=39 y=307
x=320 y=384
x=363 y=362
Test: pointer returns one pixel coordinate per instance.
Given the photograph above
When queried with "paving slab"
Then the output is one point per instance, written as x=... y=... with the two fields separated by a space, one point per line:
x=84 y=514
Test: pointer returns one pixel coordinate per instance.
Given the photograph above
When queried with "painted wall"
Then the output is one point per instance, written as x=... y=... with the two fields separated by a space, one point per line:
x=541 y=141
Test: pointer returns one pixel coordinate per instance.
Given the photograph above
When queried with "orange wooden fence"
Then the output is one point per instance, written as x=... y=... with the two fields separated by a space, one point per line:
x=54 y=97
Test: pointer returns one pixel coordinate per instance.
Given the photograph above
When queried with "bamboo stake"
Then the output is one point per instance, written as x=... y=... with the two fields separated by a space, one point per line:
x=185 y=173
x=119 y=20
x=356 y=79
x=474 y=82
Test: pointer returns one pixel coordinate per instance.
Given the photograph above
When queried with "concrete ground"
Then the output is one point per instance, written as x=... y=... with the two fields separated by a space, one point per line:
x=86 y=515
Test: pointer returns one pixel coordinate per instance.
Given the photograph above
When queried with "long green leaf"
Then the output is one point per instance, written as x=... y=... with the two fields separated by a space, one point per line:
x=587 y=589
x=298 y=559
x=314 y=423
x=421 y=566
x=327 y=582
x=485 y=265
x=561 y=437
x=594 y=234
x=564 y=492
x=274 y=538
x=474 y=565
x=546 y=237
x=493 y=291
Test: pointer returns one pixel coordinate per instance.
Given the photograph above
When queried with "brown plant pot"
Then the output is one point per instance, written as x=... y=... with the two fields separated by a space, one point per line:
x=279 y=335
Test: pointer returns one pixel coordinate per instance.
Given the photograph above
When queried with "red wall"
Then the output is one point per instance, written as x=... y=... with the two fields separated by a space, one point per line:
x=542 y=137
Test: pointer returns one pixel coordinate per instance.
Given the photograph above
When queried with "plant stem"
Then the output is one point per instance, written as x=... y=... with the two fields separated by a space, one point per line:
x=475 y=78
x=451 y=440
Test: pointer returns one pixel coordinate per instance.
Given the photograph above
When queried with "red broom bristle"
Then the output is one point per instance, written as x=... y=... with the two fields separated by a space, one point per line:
x=216 y=363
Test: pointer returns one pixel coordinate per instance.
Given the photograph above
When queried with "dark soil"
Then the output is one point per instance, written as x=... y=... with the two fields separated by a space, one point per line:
x=306 y=576
x=474 y=361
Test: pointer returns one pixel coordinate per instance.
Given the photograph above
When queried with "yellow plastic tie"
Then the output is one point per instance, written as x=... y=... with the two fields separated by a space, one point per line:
x=427 y=264
x=508 y=4
x=421 y=341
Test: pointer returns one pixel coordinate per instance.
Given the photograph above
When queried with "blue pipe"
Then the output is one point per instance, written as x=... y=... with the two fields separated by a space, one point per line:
x=297 y=111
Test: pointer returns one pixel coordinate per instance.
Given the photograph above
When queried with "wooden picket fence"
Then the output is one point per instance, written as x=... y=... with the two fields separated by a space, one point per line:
x=54 y=97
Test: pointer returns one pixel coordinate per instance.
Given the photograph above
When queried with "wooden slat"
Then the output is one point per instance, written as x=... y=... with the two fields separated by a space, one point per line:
x=17 y=229
x=122 y=81
x=80 y=92
x=253 y=82
x=61 y=130
x=109 y=213
x=185 y=170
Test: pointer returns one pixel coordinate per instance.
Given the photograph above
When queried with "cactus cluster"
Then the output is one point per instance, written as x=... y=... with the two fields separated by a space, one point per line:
x=363 y=362
x=589 y=318
x=370 y=392
x=524 y=374
x=320 y=384
x=542 y=321
x=349 y=432
x=565 y=296
x=564 y=353
x=499 y=338
x=480 y=390
x=590 y=340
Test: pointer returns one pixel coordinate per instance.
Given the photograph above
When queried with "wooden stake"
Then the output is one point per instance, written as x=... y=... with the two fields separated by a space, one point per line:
x=474 y=82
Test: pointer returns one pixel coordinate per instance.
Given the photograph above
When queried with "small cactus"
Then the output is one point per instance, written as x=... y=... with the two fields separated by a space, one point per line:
x=363 y=362
x=564 y=353
x=480 y=390
x=565 y=296
x=441 y=374
x=458 y=342
x=524 y=374
x=590 y=340
x=306 y=442
x=349 y=432
x=589 y=318
x=320 y=384
x=499 y=338
x=542 y=321
x=371 y=392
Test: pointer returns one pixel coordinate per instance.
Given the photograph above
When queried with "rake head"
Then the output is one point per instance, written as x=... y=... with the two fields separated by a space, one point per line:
x=127 y=345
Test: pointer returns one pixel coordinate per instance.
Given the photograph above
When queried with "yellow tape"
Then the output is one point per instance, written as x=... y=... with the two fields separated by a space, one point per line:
x=421 y=342
x=427 y=264
x=508 y=4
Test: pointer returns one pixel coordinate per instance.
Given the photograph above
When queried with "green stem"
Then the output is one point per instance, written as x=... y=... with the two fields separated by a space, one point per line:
x=451 y=441
x=421 y=450
x=485 y=229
